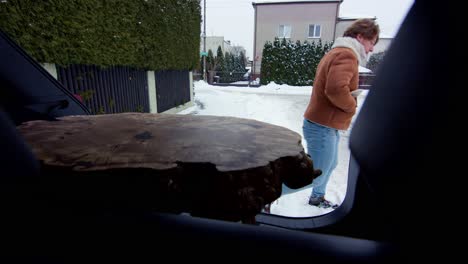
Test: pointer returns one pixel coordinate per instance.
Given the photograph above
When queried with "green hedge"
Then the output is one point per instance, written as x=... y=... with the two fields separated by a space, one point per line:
x=375 y=60
x=151 y=34
x=284 y=62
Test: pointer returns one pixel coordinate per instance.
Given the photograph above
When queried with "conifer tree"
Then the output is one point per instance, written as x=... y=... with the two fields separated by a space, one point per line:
x=242 y=60
x=219 y=60
x=210 y=61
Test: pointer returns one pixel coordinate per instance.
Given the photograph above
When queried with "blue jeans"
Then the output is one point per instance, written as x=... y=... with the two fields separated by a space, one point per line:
x=322 y=146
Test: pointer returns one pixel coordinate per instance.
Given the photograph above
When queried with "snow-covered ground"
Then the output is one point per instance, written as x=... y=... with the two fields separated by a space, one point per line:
x=281 y=105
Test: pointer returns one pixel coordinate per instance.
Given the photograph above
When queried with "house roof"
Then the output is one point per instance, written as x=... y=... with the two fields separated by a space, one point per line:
x=270 y=2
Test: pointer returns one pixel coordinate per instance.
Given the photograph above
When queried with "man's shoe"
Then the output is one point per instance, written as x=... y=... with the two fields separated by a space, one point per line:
x=316 y=200
x=327 y=204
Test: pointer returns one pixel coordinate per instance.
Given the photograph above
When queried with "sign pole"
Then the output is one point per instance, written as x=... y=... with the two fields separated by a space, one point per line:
x=204 y=40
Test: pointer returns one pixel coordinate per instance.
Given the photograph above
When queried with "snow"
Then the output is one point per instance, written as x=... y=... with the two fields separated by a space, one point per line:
x=363 y=69
x=281 y=105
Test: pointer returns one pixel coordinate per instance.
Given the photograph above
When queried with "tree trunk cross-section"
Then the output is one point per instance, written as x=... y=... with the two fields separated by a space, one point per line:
x=210 y=166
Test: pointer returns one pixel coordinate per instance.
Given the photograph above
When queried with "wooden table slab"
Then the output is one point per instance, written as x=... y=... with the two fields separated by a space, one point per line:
x=210 y=166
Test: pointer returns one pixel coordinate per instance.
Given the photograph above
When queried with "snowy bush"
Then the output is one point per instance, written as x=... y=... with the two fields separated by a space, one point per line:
x=285 y=62
x=375 y=60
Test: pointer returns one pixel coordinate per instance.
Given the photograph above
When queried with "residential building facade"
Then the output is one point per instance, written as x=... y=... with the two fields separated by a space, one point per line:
x=306 y=20
x=213 y=42
x=293 y=20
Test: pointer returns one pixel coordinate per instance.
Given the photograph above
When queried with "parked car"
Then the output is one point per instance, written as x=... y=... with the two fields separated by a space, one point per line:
x=399 y=175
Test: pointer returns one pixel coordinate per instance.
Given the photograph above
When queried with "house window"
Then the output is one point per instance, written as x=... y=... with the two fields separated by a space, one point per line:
x=314 y=31
x=284 y=31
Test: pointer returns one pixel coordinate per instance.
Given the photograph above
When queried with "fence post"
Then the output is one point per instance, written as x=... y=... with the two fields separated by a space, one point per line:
x=153 y=102
x=50 y=67
x=191 y=85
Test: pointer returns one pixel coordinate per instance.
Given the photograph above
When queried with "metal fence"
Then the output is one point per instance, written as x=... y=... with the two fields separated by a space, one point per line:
x=172 y=88
x=107 y=90
x=365 y=80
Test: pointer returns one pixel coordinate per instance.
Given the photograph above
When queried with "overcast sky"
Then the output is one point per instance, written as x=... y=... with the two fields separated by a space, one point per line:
x=234 y=19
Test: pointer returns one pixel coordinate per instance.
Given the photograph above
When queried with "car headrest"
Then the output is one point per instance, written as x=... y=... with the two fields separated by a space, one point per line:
x=396 y=131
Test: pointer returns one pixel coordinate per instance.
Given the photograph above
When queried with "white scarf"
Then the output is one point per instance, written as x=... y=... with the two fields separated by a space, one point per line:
x=354 y=45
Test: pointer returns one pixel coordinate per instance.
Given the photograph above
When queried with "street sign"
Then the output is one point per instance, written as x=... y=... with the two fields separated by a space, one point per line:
x=203 y=53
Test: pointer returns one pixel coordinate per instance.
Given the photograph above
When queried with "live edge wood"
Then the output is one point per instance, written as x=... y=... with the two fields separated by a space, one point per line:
x=209 y=166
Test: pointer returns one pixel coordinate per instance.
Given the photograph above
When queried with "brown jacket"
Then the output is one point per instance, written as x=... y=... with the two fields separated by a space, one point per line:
x=331 y=103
